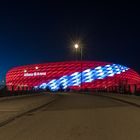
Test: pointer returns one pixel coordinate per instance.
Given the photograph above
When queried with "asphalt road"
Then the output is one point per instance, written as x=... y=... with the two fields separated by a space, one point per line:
x=77 y=117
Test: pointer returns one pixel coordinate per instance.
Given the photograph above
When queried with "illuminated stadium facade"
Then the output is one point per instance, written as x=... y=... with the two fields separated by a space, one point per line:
x=76 y=75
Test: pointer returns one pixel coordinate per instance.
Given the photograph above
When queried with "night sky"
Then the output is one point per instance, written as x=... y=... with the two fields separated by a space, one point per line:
x=36 y=32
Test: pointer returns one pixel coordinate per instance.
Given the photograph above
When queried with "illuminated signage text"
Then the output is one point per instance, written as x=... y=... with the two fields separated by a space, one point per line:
x=35 y=74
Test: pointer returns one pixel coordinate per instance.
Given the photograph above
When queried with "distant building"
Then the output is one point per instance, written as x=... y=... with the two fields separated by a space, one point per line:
x=67 y=75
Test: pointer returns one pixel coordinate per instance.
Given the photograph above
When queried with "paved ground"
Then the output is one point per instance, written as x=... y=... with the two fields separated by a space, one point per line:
x=77 y=117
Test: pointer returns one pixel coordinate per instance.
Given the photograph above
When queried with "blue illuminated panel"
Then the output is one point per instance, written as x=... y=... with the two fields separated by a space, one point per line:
x=88 y=75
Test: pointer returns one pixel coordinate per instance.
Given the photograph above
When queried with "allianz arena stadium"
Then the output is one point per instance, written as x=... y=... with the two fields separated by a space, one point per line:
x=74 y=75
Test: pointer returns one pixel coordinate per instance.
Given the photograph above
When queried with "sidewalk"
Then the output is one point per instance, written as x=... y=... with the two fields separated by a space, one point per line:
x=18 y=106
x=130 y=99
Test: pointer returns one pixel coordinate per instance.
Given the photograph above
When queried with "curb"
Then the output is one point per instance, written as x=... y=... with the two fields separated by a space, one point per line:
x=19 y=96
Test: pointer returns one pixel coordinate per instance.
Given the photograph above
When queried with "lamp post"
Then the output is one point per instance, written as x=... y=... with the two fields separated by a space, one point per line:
x=76 y=46
x=81 y=53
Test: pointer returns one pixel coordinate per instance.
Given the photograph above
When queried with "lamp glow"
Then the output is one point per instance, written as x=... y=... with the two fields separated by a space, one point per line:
x=76 y=46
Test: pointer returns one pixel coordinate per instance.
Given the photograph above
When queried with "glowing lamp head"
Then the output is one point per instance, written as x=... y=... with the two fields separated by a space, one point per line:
x=76 y=46
x=25 y=70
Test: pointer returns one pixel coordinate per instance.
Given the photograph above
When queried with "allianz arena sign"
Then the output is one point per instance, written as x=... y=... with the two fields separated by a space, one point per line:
x=35 y=74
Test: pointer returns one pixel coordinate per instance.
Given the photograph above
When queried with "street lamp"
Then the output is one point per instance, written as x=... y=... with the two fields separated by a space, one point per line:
x=76 y=46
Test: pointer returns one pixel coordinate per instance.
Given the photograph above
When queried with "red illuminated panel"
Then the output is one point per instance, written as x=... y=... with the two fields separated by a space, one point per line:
x=26 y=77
